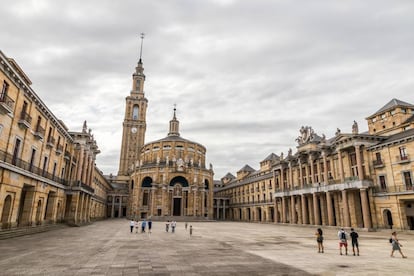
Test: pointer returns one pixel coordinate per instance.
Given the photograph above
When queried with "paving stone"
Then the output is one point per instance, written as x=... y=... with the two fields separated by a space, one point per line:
x=217 y=248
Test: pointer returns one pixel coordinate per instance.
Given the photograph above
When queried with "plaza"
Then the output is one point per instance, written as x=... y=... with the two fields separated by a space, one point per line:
x=214 y=248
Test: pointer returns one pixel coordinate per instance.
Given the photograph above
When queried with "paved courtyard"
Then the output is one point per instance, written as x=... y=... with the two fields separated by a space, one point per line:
x=215 y=248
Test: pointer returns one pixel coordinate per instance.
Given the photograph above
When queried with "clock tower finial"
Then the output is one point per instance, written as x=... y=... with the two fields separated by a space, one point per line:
x=142 y=35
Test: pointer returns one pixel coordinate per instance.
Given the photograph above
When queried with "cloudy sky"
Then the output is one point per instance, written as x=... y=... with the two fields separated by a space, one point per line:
x=245 y=75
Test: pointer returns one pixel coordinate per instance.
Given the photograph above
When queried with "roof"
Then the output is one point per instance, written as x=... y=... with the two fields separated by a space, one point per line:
x=391 y=105
x=173 y=138
x=229 y=175
x=246 y=168
x=396 y=137
x=271 y=157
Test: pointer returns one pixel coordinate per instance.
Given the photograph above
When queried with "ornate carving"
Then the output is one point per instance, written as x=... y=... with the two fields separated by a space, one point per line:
x=306 y=135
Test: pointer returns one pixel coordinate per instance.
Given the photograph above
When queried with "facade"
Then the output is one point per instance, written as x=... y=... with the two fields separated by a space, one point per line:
x=165 y=178
x=353 y=179
x=47 y=174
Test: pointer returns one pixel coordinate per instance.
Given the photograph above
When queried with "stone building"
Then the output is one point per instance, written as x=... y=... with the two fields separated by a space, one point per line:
x=353 y=179
x=165 y=178
x=47 y=173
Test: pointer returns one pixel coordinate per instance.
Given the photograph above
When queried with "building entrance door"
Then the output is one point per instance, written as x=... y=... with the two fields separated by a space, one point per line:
x=177 y=206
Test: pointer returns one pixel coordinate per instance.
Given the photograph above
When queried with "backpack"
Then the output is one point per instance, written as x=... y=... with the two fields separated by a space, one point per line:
x=343 y=236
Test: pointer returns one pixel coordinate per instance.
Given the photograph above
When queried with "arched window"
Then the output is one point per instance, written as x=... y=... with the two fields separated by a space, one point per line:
x=147 y=182
x=135 y=110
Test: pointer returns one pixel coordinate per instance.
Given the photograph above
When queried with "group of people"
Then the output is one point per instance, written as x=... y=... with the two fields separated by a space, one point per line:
x=173 y=224
x=343 y=242
x=144 y=224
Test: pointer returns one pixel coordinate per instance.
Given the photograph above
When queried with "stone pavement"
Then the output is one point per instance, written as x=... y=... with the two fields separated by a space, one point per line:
x=215 y=248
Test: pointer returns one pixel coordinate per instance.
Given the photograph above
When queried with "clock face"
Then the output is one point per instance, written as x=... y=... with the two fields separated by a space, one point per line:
x=134 y=130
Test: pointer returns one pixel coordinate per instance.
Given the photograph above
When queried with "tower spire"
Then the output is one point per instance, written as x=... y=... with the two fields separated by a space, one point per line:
x=174 y=125
x=142 y=42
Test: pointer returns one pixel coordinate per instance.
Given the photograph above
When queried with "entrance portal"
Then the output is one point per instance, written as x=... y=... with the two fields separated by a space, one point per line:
x=177 y=206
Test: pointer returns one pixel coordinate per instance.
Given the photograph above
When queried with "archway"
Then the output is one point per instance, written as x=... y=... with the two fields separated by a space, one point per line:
x=147 y=182
x=7 y=207
x=387 y=218
x=179 y=180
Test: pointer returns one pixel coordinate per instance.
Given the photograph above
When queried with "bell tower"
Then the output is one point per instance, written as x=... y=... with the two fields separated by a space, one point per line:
x=134 y=125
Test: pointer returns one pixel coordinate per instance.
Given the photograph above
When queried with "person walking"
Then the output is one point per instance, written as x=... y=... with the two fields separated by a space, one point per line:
x=186 y=224
x=319 y=239
x=396 y=245
x=342 y=241
x=149 y=225
x=131 y=225
x=354 y=239
x=136 y=226
x=173 y=225
x=167 y=226
x=143 y=225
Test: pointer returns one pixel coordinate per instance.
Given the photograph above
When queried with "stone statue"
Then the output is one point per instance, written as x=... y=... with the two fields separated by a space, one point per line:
x=355 y=128
x=167 y=160
x=281 y=156
x=306 y=135
x=158 y=160
x=338 y=131
x=84 y=128
x=323 y=139
x=290 y=152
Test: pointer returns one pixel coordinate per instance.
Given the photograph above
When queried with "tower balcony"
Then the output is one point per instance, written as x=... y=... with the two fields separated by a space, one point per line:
x=6 y=104
x=25 y=120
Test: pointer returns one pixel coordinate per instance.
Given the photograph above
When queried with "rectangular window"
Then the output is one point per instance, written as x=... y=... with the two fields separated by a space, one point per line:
x=54 y=170
x=145 y=199
x=4 y=90
x=407 y=180
x=403 y=153
x=16 y=151
x=382 y=182
x=32 y=157
x=44 y=165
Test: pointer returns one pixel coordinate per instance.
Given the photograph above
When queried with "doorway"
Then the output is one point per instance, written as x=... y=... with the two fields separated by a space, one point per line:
x=177 y=206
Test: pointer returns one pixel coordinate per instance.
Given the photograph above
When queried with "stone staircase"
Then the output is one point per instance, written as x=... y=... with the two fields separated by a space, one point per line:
x=29 y=230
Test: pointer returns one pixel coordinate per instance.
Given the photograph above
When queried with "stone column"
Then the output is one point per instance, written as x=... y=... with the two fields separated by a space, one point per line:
x=282 y=178
x=151 y=208
x=330 y=209
x=291 y=184
x=318 y=168
x=195 y=202
x=307 y=174
x=217 y=209
x=325 y=168
x=224 y=209
x=359 y=162
x=300 y=174
x=316 y=212
x=276 y=211
x=120 y=207
x=284 y=219
x=345 y=208
x=365 y=209
x=341 y=166
x=113 y=207
x=203 y=199
x=310 y=210
x=312 y=171
x=163 y=197
x=79 y=164
x=305 y=218
x=293 y=209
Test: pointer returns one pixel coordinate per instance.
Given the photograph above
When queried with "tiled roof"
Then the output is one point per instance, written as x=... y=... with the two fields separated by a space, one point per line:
x=392 y=104
x=247 y=168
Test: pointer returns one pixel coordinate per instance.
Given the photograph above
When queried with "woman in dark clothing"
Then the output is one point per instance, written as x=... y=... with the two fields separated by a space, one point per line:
x=319 y=240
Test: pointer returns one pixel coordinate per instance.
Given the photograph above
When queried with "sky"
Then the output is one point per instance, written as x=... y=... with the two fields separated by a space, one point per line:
x=245 y=75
